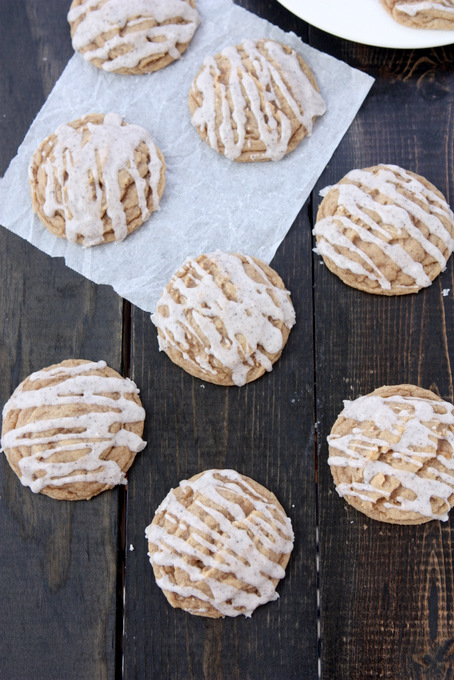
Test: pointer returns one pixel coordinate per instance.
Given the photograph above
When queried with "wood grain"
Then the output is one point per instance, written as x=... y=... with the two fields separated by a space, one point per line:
x=263 y=430
x=386 y=591
x=58 y=574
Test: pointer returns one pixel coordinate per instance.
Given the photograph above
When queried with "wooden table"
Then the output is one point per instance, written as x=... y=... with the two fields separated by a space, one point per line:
x=78 y=598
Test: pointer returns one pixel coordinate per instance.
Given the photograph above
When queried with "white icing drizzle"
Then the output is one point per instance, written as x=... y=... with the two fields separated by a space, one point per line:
x=95 y=436
x=398 y=213
x=231 y=549
x=413 y=421
x=100 y=19
x=250 y=316
x=413 y=8
x=303 y=99
x=75 y=164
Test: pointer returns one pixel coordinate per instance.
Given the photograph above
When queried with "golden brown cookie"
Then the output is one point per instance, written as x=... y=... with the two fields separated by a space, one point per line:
x=73 y=429
x=433 y=14
x=391 y=454
x=224 y=318
x=385 y=230
x=255 y=101
x=132 y=36
x=219 y=544
x=96 y=179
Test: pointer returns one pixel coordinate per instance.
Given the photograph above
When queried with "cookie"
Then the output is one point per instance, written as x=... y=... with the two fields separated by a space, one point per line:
x=96 y=179
x=224 y=318
x=385 y=230
x=73 y=429
x=255 y=101
x=391 y=454
x=437 y=14
x=219 y=544
x=132 y=36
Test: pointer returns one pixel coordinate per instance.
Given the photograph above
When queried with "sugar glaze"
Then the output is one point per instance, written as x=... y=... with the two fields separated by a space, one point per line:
x=231 y=548
x=250 y=316
x=79 y=386
x=357 y=198
x=142 y=42
x=87 y=173
x=413 y=421
x=274 y=130
x=413 y=8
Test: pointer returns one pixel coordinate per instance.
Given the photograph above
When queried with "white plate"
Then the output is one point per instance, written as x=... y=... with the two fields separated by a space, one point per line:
x=364 y=21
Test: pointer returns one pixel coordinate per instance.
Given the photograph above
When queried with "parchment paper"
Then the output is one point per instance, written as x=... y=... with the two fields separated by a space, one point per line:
x=209 y=202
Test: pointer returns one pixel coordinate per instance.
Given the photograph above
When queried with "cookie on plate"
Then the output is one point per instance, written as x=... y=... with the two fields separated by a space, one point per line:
x=132 y=36
x=224 y=318
x=96 y=179
x=73 y=429
x=385 y=230
x=436 y=14
x=255 y=101
x=219 y=544
x=391 y=454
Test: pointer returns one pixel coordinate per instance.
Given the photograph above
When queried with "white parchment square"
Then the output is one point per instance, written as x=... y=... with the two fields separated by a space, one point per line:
x=209 y=202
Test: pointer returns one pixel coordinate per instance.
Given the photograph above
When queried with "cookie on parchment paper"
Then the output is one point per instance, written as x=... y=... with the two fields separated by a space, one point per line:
x=436 y=14
x=385 y=230
x=219 y=544
x=391 y=454
x=96 y=179
x=73 y=429
x=224 y=318
x=255 y=101
x=132 y=36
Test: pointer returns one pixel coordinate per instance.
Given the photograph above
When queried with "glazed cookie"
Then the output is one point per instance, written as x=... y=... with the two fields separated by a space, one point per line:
x=132 y=36
x=219 y=544
x=224 y=318
x=96 y=179
x=438 y=14
x=385 y=230
x=391 y=454
x=255 y=101
x=73 y=429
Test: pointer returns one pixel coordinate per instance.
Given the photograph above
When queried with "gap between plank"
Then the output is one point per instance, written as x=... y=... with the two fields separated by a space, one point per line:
x=317 y=536
x=122 y=497
x=120 y=594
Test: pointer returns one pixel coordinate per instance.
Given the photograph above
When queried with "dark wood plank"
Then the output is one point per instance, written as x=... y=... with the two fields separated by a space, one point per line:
x=386 y=591
x=264 y=430
x=58 y=573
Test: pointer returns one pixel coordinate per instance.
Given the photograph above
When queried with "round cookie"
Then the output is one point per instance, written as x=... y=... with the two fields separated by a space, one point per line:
x=96 y=179
x=132 y=36
x=224 y=318
x=73 y=429
x=436 y=14
x=391 y=454
x=219 y=544
x=255 y=101
x=385 y=230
